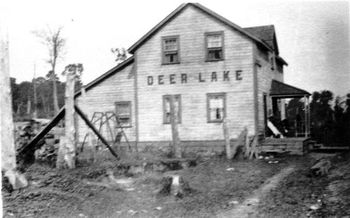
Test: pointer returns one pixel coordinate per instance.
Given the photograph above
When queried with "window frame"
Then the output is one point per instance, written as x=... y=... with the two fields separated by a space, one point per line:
x=206 y=34
x=177 y=37
x=130 y=111
x=211 y=95
x=164 y=108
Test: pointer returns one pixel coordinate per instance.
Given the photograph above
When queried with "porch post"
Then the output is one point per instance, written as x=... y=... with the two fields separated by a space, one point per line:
x=308 y=117
x=306 y=120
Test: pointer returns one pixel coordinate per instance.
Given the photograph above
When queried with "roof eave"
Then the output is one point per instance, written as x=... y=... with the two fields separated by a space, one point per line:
x=104 y=76
x=281 y=60
x=297 y=91
x=168 y=18
x=137 y=44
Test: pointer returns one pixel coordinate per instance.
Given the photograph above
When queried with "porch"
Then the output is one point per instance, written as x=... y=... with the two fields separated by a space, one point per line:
x=287 y=124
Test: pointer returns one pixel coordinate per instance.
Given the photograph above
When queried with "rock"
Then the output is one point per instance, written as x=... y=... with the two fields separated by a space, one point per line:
x=233 y=202
x=132 y=212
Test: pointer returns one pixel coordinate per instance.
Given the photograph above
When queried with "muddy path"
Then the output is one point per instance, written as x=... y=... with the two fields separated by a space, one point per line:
x=248 y=208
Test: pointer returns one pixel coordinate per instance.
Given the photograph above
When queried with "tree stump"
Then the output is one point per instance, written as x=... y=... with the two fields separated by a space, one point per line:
x=174 y=185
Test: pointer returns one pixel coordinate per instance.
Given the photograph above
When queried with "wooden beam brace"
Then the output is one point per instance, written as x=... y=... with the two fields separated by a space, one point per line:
x=43 y=132
x=103 y=140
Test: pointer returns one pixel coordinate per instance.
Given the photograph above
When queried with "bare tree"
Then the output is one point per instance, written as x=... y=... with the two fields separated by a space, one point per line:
x=120 y=54
x=55 y=43
x=7 y=144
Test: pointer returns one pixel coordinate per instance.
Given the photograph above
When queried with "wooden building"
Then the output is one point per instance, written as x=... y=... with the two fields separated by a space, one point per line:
x=213 y=68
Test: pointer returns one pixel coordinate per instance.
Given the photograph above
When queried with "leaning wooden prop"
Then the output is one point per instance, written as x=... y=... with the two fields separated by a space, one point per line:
x=244 y=143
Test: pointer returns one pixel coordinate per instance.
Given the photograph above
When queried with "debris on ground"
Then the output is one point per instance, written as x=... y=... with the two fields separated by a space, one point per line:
x=304 y=194
x=321 y=167
x=87 y=190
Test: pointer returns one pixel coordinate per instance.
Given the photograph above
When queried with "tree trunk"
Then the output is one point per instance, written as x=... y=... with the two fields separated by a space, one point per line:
x=174 y=129
x=8 y=150
x=55 y=99
x=67 y=148
x=29 y=104
x=35 y=111
x=18 y=111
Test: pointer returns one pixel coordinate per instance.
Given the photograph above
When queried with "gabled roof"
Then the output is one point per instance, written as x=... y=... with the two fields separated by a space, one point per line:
x=205 y=10
x=266 y=34
x=106 y=75
x=280 y=89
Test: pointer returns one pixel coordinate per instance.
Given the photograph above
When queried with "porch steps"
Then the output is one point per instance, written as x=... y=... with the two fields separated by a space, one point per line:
x=293 y=146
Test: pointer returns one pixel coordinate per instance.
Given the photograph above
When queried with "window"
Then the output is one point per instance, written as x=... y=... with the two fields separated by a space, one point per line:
x=216 y=107
x=123 y=113
x=170 y=46
x=214 y=46
x=166 y=108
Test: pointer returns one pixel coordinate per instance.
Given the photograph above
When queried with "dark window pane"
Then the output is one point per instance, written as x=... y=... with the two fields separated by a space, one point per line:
x=171 y=58
x=215 y=54
x=123 y=113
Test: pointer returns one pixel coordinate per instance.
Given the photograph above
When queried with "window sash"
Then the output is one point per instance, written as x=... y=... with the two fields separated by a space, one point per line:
x=214 y=41
x=166 y=108
x=216 y=107
x=123 y=113
x=214 y=46
x=170 y=44
x=170 y=50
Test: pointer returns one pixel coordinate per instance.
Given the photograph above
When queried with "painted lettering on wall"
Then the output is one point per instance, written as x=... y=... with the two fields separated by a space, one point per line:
x=182 y=78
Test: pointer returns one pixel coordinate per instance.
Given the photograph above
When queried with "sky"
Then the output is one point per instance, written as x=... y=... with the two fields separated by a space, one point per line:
x=313 y=36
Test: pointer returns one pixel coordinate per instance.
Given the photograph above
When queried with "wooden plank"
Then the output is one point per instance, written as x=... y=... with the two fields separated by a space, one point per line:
x=43 y=132
x=227 y=139
x=103 y=140
x=174 y=128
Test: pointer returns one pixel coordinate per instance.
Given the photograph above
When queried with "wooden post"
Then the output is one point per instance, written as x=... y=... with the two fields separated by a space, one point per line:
x=227 y=139
x=67 y=149
x=305 y=116
x=174 y=128
x=8 y=150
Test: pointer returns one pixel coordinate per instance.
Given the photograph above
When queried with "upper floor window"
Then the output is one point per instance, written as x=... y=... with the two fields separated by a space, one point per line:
x=214 y=46
x=123 y=113
x=216 y=107
x=170 y=46
x=166 y=108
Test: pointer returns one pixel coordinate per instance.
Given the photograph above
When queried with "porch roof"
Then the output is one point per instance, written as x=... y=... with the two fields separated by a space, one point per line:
x=282 y=90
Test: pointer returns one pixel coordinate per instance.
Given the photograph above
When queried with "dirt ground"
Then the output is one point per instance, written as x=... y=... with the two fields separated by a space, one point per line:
x=301 y=191
x=218 y=187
